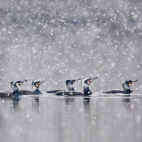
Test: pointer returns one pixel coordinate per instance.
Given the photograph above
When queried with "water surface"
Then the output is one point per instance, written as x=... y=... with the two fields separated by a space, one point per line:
x=71 y=119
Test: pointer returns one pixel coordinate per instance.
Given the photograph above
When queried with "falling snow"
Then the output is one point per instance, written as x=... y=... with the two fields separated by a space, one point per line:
x=68 y=39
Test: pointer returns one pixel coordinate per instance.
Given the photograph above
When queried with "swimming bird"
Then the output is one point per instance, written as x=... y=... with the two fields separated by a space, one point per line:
x=85 y=84
x=126 y=88
x=69 y=85
x=36 y=84
x=71 y=90
x=16 y=92
x=15 y=85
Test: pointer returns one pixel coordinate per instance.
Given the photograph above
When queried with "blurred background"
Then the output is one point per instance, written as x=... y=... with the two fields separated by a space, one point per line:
x=69 y=39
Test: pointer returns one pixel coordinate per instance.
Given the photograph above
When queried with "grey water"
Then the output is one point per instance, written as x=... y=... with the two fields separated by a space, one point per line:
x=71 y=119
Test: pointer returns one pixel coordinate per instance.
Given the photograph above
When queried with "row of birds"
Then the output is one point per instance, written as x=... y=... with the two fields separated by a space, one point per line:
x=15 y=85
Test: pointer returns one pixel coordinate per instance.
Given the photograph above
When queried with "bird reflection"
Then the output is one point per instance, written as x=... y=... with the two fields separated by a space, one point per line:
x=16 y=102
x=126 y=100
x=69 y=100
x=36 y=102
x=86 y=102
